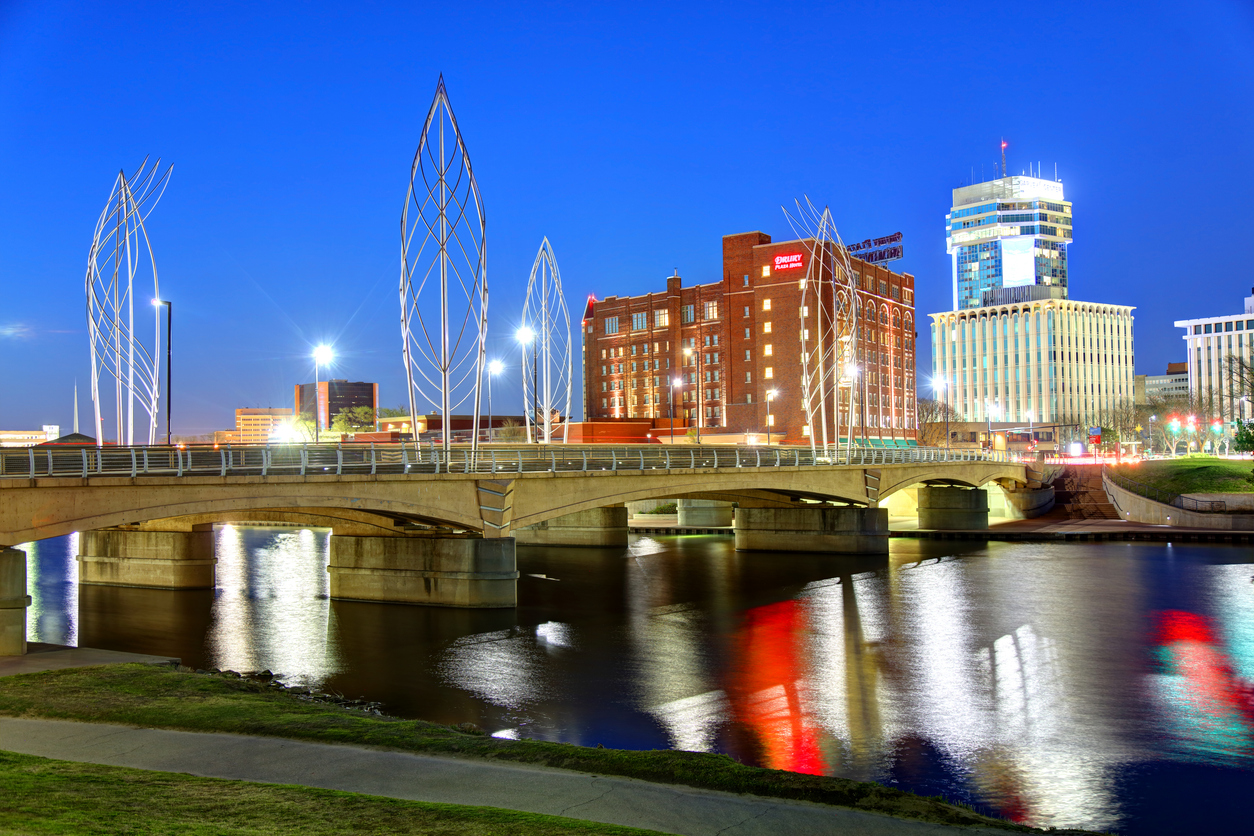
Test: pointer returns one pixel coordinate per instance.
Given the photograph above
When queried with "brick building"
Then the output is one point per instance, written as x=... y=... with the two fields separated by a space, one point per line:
x=712 y=352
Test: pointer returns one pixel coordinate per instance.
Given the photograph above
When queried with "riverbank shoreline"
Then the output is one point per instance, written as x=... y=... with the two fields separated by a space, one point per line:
x=151 y=697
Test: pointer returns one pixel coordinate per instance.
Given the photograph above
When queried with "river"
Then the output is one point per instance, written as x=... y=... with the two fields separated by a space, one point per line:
x=1103 y=685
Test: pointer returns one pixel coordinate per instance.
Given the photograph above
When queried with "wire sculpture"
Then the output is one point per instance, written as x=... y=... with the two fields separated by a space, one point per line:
x=443 y=251
x=121 y=251
x=551 y=372
x=829 y=330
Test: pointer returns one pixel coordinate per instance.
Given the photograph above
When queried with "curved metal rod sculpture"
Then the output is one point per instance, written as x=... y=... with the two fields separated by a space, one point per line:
x=552 y=364
x=120 y=251
x=829 y=329
x=443 y=245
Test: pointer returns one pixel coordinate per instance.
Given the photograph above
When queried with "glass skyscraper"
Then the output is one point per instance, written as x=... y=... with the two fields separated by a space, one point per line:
x=1005 y=234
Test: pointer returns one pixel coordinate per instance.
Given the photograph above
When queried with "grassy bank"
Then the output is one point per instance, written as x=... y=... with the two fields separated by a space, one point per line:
x=156 y=697
x=1194 y=474
x=50 y=796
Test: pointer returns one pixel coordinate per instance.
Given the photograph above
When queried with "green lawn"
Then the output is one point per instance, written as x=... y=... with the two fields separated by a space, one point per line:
x=158 y=697
x=1195 y=474
x=51 y=796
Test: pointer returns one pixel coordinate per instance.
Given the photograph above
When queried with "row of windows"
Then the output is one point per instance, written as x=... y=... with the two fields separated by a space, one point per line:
x=1226 y=326
x=662 y=317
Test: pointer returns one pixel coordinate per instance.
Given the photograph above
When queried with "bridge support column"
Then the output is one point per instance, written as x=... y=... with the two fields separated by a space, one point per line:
x=703 y=513
x=596 y=527
x=437 y=571
x=162 y=559
x=948 y=508
x=829 y=530
x=13 y=602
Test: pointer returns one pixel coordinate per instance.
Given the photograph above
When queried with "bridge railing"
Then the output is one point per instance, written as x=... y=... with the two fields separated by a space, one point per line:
x=410 y=457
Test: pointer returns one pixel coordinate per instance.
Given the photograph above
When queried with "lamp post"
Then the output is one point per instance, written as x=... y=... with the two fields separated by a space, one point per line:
x=527 y=337
x=670 y=411
x=494 y=368
x=169 y=336
x=770 y=396
x=938 y=386
x=322 y=356
x=696 y=391
x=989 y=409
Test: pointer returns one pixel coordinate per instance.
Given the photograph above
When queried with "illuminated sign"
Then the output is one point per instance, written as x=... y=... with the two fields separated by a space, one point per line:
x=788 y=262
x=876 y=250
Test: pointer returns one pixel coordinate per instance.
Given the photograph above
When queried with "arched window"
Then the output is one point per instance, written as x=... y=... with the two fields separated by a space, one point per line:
x=883 y=318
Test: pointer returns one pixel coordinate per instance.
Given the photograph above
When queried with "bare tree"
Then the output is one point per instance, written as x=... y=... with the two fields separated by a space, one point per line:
x=933 y=415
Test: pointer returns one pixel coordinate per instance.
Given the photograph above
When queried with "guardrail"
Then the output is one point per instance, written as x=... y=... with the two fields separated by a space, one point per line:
x=410 y=457
x=1187 y=503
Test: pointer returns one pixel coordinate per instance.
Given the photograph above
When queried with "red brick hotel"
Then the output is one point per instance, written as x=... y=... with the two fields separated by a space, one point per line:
x=743 y=339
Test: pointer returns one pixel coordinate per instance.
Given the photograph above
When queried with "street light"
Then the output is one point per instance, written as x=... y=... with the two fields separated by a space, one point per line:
x=670 y=411
x=322 y=355
x=938 y=386
x=989 y=409
x=527 y=337
x=688 y=352
x=169 y=321
x=494 y=368
x=770 y=396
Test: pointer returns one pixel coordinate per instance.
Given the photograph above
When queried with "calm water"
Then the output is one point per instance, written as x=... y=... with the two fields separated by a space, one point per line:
x=1106 y=686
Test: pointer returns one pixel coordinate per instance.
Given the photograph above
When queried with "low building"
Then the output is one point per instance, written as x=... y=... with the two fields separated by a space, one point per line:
x=29 y=438
x=256 y=425
x=1173 y=384
x=1217 y=349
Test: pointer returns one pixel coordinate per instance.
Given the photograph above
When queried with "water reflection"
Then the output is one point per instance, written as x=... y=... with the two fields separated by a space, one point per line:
x=1062 y=685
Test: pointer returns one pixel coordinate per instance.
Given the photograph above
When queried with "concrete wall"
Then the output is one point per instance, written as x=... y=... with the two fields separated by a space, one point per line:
x=438 y=571
x=13 y=602
x=1139 y=509
x=952 y=509
x=598 y=527
x=164 y=559
x=830 y=530
x=702 y=513
x=1027 y=503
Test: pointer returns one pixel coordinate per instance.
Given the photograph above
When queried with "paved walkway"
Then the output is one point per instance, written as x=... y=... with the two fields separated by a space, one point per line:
x=558 y=792
x=52 y=657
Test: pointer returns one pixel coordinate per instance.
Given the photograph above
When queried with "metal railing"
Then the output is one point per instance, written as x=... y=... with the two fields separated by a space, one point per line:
x=1187 y=503
x=411 y=457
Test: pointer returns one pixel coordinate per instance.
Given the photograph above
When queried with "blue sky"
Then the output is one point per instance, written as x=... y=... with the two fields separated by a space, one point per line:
x=634 y=136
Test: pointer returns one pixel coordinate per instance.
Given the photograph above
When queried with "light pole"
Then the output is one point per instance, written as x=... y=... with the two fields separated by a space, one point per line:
x=494 y=368
x=989 y=409
x=696 y=390
x=938 y=386
x=322 y=356
x=527 y=337
x=169 y=336
x=670 y=411
x=770 y=396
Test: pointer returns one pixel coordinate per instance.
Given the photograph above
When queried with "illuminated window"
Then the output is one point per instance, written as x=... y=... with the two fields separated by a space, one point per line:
x=770 y=420
x=801 y=284
x=766 y=327
x=711 y=310
x=769 y=373
x=769 y=351
x=805 y=431
x=603 y=357
x=766 y=304
x=661 y=318
x=766 y=270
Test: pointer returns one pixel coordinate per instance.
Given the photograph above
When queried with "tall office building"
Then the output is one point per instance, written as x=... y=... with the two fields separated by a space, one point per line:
x=1008 y=233
x=333 y=397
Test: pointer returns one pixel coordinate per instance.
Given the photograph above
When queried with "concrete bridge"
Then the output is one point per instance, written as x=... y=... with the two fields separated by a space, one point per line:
x=409 y=525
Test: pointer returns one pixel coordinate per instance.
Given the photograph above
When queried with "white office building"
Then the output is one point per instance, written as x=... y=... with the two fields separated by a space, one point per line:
x=1211 y=345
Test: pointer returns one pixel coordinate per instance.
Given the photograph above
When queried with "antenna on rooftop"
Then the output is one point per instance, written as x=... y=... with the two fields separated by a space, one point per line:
x=1003 y=158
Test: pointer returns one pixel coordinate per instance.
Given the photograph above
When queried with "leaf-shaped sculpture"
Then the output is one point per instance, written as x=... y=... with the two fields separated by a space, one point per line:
x=120 y=359
x=444 y=285
x=548 y=378
x=829 y=330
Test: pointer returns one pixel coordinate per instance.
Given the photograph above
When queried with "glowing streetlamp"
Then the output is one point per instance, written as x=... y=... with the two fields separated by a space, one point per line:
x=770 y=396
x=527 y=337
x=322 y=355
x=169 y=321
x=495 y=367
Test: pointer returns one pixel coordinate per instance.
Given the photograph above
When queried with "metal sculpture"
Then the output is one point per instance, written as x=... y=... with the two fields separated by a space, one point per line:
x=443 y=252
x=549 y=378
x=120 y=252
x=829 y=329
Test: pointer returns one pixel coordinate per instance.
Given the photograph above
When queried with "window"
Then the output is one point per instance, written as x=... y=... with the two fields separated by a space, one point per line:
x=766 y=304
x=746 y=311
x=748 y=377
x=746 y=333
x=770 y=420
x=603 y=357
x=768 y=351
x=883 y=288
x=766 y=270
x=1207 y=328
x=768 y=373
x=711 y=310
x=747 y=357
x=639 y=321
x=805 y=311
x=603 y=369
x=749 y=398
x=1227 y=326
x=661 y=318
x=746 y=281
x=633 y=351
x=1197 y=329
x=687 y=313
x=611 y=325
x=633 y=365
x=766 y=327
x=603 y=386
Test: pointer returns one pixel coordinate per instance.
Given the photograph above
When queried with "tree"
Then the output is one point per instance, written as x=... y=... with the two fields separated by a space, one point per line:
x=355 y=419
x=1243 y=439
x=393 y=412
x=932 y=419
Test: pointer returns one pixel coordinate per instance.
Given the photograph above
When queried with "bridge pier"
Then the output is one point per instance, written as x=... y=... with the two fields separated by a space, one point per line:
x=598 y=527
x=161 y=559
x=705 y=513
x=850 y=530
x=950 y=508
x=437 y=571
x=13 y=602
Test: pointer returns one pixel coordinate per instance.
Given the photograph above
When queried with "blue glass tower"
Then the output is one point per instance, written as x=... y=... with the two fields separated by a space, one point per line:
x=1008 y=233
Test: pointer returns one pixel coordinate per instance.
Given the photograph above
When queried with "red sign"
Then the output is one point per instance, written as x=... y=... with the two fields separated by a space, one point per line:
x=788 y=262
x=1095 y=440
